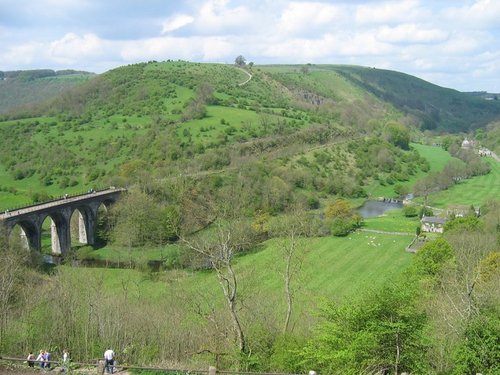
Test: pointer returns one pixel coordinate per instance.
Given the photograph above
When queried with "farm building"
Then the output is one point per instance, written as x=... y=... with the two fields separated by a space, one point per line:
x=432 y=224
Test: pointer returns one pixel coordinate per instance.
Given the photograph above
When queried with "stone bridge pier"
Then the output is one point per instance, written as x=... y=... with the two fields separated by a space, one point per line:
x=30 y=219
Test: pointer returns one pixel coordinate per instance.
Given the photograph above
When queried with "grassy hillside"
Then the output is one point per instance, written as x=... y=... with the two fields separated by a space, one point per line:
x=437 y=107
x=334 y=267
x=475 y=191
x=175 y=117
x=163 y=118
x=20 y=88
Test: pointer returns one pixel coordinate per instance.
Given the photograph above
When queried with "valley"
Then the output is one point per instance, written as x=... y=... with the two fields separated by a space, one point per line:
x=238 y=242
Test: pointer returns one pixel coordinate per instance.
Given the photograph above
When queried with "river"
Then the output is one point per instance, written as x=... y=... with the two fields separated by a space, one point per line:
x=377 y=208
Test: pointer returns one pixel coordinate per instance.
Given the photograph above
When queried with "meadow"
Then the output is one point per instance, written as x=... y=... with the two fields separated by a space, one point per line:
x=333 y=267
x=392 y=221
x=475 y=191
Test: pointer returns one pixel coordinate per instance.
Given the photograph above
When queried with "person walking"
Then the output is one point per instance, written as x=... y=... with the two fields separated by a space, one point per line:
x=109 y=360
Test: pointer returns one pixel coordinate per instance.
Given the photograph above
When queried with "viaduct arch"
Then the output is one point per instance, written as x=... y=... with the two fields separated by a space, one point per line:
x=31 y=218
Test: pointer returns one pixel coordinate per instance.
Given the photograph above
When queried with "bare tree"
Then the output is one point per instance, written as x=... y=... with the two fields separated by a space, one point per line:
x=291 y=230
x=12 y=268
x=218 y=246
x=460 y=283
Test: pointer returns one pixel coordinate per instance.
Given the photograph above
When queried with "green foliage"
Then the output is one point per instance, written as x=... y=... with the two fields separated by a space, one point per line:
x=410 y=210
x=477 y=190
x=468 y=222
x=40 y=196
x=30 y=86
x=343 y=226
x=398 y=135
x=85 y=253
x=381 y=332
x=425 y=211
x=239 y=60
x=284 y=356
x=432 y=257
x=342 y=218
x=479 y=350
x=340 y=208
x=139 y=220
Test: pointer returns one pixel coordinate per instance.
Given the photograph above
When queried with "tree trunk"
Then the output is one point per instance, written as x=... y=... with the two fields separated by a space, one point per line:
x=229 y=286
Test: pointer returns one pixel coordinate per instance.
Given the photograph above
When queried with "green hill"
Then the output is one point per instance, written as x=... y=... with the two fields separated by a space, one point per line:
x=27 y=87
x=167 y=118
x=436 y=107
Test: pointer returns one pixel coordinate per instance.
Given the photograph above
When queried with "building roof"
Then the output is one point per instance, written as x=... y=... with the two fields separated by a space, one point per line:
x=433 y=220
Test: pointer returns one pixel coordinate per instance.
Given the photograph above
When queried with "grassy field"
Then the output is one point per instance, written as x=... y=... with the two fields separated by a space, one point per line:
x=117 y=255
x=475 y=191
x=392 y=221
x=333 y=267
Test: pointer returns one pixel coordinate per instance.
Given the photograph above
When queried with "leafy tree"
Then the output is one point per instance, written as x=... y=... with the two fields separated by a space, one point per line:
x=382 y=332
x=432 y=257
x=478 y=351
x=340 y=208
x=398 y=135
x=137 y=219
x=410 y=210
x=196 y=108
x=12 y=271
x=490 y=266
x=341 y=226
x=401 y=190
x=425 y=211
x=239 y=60
x=343 y=219
x=469 y=222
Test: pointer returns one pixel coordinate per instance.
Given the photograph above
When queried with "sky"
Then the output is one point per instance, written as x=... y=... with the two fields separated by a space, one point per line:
x=452 y=43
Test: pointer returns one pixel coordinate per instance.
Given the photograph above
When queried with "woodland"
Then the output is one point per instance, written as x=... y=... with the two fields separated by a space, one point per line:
x=239 y=242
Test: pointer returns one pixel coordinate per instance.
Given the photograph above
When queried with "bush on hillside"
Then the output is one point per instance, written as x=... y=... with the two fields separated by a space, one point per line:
x=410 y=210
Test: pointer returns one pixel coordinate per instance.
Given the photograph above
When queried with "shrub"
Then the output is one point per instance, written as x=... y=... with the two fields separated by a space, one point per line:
x=410 y=210
x=85 y=253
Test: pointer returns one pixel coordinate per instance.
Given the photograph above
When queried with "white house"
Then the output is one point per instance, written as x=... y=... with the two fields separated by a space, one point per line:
x=432 y=224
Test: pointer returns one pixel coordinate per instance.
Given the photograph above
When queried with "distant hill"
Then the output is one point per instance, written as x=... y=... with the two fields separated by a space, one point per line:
x=22 y=87
x=436 y=107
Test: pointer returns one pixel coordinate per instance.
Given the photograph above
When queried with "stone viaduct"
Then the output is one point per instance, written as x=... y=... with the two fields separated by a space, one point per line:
x=31 y=218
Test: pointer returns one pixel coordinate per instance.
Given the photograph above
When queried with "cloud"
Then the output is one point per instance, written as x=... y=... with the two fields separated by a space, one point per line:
x=411 y=33
x=479 y=14
x=176 y=22
x=391 y=12
x=23 y=54
x=215 y=17
x=192 y=48
x=71 y=48
x=309 y=17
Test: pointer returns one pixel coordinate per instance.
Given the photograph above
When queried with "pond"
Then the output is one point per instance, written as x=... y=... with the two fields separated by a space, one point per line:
x=377 y=208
